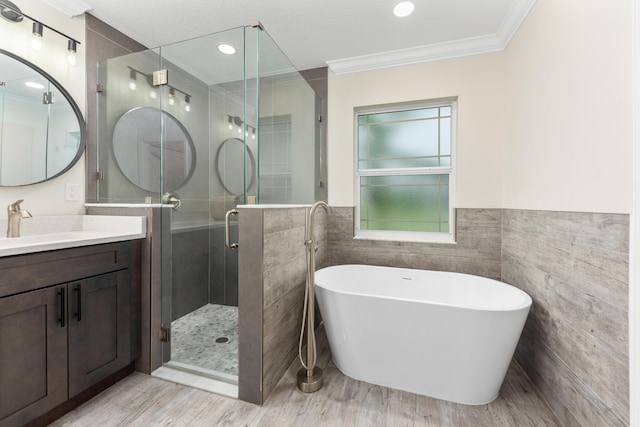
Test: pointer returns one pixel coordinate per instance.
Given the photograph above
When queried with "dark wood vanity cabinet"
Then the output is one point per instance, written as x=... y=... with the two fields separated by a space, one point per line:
x=99 y=329
x=33 y=356
x=69 y=329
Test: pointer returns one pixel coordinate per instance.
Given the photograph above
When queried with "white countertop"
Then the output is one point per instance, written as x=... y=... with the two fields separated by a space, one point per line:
x=46 y=233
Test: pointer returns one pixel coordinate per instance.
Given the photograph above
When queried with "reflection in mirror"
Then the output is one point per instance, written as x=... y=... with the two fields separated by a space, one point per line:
x=146 y=138
x=42 y=132
x=230 y=161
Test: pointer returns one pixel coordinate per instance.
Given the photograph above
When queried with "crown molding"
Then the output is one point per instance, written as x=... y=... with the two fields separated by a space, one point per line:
x=513 y=19
x=509 y=25
x=416 y=55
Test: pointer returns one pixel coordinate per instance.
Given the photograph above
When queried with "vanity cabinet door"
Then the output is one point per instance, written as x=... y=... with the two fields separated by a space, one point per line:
x=33 y=354
x=99 y=329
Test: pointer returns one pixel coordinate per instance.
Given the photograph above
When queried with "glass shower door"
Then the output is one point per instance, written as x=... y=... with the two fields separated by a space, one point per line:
x=206 y=92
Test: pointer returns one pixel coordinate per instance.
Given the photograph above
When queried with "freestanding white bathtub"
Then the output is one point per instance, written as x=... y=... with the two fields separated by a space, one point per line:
x=446 y=335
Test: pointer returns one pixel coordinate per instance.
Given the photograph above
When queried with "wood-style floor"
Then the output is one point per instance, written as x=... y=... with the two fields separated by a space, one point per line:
x=141 y=400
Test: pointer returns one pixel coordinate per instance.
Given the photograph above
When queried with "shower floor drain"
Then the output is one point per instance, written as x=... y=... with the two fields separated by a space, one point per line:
x=222 y=339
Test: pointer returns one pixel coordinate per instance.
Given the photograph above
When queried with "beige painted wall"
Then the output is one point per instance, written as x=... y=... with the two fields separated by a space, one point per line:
x=568 y=97
x=545 y=124
x=477 y=81
x=48 y=198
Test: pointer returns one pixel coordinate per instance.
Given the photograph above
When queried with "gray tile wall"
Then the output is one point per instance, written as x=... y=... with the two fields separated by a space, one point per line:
x=103 y=42
x=477 y=250
x=250 y=307
x=318 y=79
x=284 y=273
x=272 y=270
x=575 y=343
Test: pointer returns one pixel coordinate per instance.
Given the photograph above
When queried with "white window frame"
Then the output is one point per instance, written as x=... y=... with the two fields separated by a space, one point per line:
x=408 y=236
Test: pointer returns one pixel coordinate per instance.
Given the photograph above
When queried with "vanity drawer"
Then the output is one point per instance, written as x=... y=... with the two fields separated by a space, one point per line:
x=23 y=273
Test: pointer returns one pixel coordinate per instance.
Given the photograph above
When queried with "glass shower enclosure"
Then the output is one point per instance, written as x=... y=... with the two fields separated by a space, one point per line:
x=198 y=128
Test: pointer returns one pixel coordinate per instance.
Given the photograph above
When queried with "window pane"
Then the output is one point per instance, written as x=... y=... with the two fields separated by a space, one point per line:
x=445 y=137
x=445 y=111
x=406 y=202
x=404 y=139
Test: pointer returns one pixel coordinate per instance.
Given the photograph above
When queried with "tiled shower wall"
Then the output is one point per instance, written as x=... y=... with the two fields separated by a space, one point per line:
x=575 y=267
x=575 y=344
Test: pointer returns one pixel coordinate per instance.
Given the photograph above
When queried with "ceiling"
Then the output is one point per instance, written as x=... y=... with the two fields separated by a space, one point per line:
x=315 y=33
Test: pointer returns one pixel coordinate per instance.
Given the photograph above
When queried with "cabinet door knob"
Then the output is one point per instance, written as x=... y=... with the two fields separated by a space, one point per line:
x=78 y=291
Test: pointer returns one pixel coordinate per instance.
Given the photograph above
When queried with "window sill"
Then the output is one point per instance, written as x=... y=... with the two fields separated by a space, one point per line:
x=399 y=237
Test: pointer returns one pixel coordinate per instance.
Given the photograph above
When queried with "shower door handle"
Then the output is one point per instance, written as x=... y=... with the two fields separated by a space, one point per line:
x=172 y=198
x=227 y=229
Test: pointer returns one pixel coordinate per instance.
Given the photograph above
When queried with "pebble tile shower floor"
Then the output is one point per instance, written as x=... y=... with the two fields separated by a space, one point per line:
x=207 y=338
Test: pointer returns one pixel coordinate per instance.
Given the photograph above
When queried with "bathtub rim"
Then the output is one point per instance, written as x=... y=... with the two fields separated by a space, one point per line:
x=526 y=304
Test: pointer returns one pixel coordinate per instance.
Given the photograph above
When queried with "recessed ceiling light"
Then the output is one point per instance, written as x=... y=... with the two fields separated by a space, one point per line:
x=404 y=8
x=227 y=49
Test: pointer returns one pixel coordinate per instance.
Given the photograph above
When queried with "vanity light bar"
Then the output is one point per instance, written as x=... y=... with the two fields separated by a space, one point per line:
x=237 y=121
x=36 y=24
x=150 y=80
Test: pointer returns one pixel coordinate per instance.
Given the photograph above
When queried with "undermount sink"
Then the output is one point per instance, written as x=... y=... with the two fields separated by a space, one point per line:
x=47 y=233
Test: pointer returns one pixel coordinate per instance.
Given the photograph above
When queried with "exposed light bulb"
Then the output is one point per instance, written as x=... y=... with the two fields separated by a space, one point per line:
x=36 y=43
x=71 y=58
x=133 y=85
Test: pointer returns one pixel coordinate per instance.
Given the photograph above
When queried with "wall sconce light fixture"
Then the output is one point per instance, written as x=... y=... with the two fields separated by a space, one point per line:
x=133 y=78
x=238 y=123
x=12 y=13
x=36 y=41
x=72 y=47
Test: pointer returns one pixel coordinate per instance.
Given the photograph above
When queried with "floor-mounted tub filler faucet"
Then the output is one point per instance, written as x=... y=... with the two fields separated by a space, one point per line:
x=310 y=376
x=14 y=215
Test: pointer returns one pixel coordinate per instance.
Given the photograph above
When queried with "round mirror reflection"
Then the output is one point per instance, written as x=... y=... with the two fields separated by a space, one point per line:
x=230 y=161
x=42 y=132
x=147 y=140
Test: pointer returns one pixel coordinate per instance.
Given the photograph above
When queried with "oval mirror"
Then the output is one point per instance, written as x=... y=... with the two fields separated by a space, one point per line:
x=42 y=132
x=230 y=159
x=143 y=139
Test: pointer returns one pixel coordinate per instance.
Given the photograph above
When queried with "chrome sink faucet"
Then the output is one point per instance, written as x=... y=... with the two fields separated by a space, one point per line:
x=14 y=215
